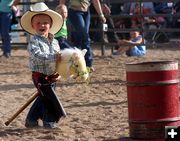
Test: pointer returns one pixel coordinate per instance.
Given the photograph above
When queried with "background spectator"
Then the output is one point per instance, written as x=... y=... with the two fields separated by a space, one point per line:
x=144 y=8
x=165 y=8
x=5 y=24
x=62 y=34
x=79 y=16
x=132 y=47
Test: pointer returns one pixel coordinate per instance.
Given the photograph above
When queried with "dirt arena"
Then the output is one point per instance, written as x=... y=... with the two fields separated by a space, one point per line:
x=95 y=112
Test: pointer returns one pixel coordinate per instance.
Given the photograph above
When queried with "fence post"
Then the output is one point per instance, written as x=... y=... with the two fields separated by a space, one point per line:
x=26 y=8
x=102 y=40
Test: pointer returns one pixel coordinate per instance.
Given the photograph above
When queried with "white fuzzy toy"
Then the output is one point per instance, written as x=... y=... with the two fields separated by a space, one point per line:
x=72 y=64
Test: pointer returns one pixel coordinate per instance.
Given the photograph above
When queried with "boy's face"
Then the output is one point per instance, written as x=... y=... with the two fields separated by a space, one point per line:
x=41 y=24
x=134 y=34
x=63 y=12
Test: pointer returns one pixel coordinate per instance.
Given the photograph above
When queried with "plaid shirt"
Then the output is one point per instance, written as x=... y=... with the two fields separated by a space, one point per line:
x=42 y=54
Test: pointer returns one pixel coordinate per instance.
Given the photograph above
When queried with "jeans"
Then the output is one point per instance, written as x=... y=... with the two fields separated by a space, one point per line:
x=46 y=107
x=80 y=22
x=137 y=51
x=5 y=23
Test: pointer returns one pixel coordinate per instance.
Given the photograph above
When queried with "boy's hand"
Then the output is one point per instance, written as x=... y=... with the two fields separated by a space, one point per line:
x=120 y=42
x=53 y=78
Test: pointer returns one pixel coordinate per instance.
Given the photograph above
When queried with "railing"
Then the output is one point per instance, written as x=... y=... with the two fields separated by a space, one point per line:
x=24 y=37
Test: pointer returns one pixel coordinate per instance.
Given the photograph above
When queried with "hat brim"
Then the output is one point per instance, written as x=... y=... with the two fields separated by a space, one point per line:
x=57 y=21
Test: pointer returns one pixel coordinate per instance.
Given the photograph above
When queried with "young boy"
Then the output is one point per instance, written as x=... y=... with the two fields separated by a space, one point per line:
x=62 y=34
x=44 y=51
x=133 y=47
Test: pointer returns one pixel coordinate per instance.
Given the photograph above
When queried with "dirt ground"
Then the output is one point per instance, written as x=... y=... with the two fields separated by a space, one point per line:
x=95 y=112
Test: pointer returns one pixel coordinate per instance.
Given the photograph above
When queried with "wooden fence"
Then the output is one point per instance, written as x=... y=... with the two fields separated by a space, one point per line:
x=20 y=38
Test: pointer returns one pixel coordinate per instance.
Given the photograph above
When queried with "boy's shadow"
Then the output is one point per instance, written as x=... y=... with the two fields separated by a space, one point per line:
x=23 y=131
x=12 y=132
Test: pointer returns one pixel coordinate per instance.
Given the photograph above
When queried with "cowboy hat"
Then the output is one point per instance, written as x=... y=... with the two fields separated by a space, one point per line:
x=41 y=8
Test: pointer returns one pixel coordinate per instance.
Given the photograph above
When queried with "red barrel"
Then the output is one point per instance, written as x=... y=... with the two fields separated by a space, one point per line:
x=153 y=101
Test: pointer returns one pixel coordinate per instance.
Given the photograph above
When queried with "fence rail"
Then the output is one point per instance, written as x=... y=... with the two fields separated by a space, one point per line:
x=25 y=5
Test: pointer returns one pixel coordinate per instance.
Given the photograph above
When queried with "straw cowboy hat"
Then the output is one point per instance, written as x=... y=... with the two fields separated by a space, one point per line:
x=41 y=8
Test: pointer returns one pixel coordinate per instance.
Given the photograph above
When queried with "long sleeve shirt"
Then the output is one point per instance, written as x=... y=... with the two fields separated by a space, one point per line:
x=42 y=54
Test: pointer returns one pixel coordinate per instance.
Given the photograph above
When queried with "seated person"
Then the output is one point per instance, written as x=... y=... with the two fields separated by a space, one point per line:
x=140 y=8
x=132 y=47
x=176 y=20
x=165 y=8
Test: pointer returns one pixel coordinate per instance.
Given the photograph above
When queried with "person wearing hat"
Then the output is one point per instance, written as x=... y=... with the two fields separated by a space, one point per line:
x=6 y=7
x=42 y=23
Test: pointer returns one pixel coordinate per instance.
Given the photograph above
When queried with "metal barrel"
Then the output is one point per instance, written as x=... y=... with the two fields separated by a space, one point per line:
x=153 y=100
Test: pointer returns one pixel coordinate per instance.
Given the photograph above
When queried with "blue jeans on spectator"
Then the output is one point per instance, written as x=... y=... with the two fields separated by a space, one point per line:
x=5 y=23
x=137 y=51
x=81 y=21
